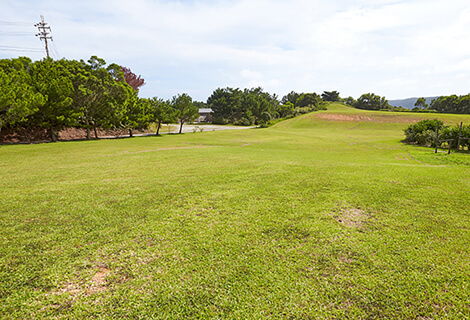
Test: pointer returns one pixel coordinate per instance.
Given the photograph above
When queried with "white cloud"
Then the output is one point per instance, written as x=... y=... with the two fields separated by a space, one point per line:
x=394 y=48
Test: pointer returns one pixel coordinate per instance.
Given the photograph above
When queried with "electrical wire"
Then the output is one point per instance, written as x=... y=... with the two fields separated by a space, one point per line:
x=22 y=50
x=16 y=47
x=4 y=34
x=54 y=49
x=12 y=23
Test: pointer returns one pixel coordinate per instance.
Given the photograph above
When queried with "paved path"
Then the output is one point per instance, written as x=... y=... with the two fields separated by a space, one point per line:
x=187 y=128
x=204 y=127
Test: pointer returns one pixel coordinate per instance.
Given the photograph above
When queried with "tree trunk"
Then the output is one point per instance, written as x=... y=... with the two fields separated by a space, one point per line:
x=87 y=123
x=94 y=129
x=158 y=127
x=53 y=135
x=181 y=127
x=130 y=133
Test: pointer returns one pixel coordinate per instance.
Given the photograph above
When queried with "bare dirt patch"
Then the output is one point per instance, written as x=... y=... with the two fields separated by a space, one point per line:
x=98 y=284
x=30 y=135
x=400 y=158
x=380 y=118
x=352 y=217
x=99 y=281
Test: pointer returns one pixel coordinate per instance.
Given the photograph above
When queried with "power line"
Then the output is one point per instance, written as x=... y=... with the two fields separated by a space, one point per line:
x=15 y=34
x=16 y=47
x=44 y=31
x=54 y=49
x=12 y=23
x=23 y=50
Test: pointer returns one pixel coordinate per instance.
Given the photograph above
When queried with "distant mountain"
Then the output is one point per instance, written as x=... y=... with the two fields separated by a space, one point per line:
x=409 y=103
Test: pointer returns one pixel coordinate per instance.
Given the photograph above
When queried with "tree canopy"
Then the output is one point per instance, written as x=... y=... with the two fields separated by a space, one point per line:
x=371 y=101
x=421 y=103
x=184 y=108
x=451 y=104
x=332 y=96
x=54 y=95
x=256 y=106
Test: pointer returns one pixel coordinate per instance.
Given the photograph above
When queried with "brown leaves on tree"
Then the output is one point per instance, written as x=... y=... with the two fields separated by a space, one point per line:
x=132 y=79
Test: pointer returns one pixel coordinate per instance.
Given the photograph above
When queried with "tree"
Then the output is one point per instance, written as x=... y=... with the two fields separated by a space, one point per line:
x=226 y=105
x=350 y=101
x=286 y=109
x=161 y=111
x=51 y=79
x=132 y=79
x=332 y=96
x=258 y=107
x=99 y=92
x=371 y=101
x=291 y=97
x=17 y=98
x=137 y=113
x=451 y=104
x=421 y=103
x=200 y=104
x=185 y=110
x=311 y=100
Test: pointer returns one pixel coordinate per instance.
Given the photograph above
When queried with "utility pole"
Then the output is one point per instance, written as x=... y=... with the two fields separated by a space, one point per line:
x=44 y=31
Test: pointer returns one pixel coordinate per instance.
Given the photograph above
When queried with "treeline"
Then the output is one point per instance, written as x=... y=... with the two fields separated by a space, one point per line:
x=443 y=104
x=255 y=106
x=368 y=101
x=451 y=104
x=54 y=95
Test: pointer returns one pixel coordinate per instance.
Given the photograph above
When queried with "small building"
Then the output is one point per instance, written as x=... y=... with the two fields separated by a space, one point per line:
x=205 y=115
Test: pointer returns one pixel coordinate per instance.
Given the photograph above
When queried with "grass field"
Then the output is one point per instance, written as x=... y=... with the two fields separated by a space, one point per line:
x=323 y=216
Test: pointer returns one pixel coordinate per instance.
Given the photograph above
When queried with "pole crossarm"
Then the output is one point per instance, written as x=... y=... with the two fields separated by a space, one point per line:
x=44 y=32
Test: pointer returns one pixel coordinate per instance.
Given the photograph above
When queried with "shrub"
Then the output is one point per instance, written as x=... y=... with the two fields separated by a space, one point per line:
x=423 y=132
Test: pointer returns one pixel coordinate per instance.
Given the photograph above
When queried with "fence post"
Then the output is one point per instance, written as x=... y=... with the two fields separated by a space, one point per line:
x=460 y=132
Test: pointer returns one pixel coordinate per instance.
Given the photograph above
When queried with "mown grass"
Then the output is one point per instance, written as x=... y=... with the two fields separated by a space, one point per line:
x=315 y=217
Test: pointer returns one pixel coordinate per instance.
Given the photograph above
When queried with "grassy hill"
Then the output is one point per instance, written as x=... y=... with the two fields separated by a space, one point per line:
x=323 y=216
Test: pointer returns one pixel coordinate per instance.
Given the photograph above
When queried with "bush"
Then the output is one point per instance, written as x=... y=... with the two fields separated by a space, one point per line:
x=423 y=132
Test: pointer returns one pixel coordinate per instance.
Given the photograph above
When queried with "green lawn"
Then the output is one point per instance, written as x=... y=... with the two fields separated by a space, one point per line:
x=323 y=216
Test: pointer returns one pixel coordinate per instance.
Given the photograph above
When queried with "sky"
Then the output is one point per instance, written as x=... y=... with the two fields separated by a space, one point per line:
x=393 y=48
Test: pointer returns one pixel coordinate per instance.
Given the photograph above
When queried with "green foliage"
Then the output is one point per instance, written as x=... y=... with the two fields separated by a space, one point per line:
x=226 y=105
x=331 y=96
x=247 y=107
x=200 y=104
x=100 y=93
x=286 y=109
x=423 y=132
x=18 y=100
x=54 y=95
x=452 y=104
x=371 y=101
x=350 y=101
x=52 y=80
x=421 y=103
x=137 y=112
x=161 y=111
x=291 y=97
x=185 y=111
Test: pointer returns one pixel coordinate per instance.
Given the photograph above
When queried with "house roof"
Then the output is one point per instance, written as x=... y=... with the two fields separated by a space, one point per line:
x=205 y=110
